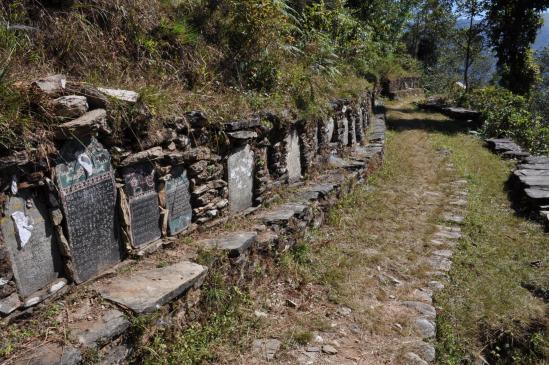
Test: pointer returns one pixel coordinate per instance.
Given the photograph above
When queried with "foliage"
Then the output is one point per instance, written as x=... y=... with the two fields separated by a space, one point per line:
x=513 y=27
x=509 y=115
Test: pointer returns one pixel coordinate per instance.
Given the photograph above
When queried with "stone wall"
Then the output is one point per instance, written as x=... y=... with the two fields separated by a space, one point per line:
x=402 y=87
x=94 y=193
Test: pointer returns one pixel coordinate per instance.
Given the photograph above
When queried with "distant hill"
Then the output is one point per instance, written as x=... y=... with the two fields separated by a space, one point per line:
x=543 y=36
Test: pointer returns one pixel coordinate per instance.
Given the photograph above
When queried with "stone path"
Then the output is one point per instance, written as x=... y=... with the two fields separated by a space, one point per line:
x=390 y=316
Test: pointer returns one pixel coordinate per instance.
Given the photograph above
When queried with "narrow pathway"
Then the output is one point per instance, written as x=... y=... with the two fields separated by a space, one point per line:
x=364 y=295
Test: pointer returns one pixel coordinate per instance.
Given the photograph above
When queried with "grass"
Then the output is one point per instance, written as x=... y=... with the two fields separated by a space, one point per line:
x=487 y=310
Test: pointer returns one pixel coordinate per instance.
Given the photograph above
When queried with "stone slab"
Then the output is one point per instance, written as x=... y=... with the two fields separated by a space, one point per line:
x=293 y=156
x=178 y=201
x=9 y=304
x=240 y=167
x=101 y=331
x=531 y=173
x=89 y=204
x=536 y=166
x=140 y=187
x=236 y=242
x=146 y=291
x=50 y=354
x=537 y=160
x=535 y=193
x=38 y=263
x=539 y=180
x=277 y=216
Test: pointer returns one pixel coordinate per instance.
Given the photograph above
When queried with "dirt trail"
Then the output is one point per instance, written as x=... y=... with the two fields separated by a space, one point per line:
x=366 y=296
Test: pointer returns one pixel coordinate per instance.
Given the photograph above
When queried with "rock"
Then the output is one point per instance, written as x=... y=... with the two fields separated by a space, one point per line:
x=88 y=124
x=51 y=85
x=50 y=354
x=197 y=119
x=453 y=218
x=279 y=216
x=115 y=355
x=312 y=349
x=95 y=98
x=425 y=327
x=290 y=303
x=440 y=263
x=101 y=331
x=242 y=124
x=425 y=350
x=425 y=309
x=436 y=285
x=443 y=253
x=266 y=348
x=58 y=285
x=260 y=314
x=242 y=135
x=411 y=358
x=34 y=300
x=152 y=154
x=146 y=291
x=71 y=106
x=344 y=311
x=123 y=95
x=236 y=243
x=328 y=349
x=9 y=304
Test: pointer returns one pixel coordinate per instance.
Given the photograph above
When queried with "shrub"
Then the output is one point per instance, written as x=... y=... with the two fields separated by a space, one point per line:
x=508 y=115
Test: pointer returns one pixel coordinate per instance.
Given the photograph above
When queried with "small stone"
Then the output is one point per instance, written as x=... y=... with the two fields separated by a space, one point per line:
x=414 y=359
x=290 y=303
x=32 y=301
x=260 y=314
x=345 y=311
x=425 y=350
x=71 y=106
x=267 y=348
x=50 y=85
x=425 y=309
x=312 y=349
x=425 y=327
x=60 y=284
x=9 y=304
x=124 y=95
x=328 y=349
x=110 y=325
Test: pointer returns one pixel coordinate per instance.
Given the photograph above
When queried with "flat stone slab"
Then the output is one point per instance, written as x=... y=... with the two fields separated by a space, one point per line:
x=339 y=162
x=520 y=173
x=322 y=189
x=9 y=304
x=448 y=234
x=535 y=180
x=95 y=333
x=298 y=209
x=278 y=216
x=236 y=243
x=535 y=166
x=535 y=194
x=146 y=291
x=453 y=218
x=537 y=160
x=50 y=354
x=425 y=309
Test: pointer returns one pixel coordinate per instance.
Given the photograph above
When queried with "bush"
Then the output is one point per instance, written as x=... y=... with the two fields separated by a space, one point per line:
x=508 y=115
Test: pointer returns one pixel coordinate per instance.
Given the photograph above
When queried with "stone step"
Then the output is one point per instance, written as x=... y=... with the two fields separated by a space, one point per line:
x=236 y=243
x=146 y=291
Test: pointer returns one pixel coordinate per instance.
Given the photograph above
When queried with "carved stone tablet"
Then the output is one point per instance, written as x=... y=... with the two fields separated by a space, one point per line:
x=88 y=194
x=178 y=201
x=240 y=166
x=36 y=263
x=293 y=156
x=144 y=210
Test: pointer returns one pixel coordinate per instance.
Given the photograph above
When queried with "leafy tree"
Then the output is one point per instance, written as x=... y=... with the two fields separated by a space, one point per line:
x=513 y=26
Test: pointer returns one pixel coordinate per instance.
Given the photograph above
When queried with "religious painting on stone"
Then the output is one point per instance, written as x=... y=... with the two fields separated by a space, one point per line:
x=140 y=188
x=85 y=179
x=178 y=201
x=30 y=241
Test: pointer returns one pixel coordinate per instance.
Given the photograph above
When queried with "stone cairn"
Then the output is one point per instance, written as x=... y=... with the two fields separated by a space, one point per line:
x=104 y=181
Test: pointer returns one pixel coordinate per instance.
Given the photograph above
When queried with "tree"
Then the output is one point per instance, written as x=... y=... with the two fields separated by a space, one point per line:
x=513 y=27
x=470 y=39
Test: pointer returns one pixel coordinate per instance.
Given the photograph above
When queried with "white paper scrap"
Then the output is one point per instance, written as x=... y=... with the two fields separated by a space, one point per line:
x=14 y=185
x=23 y=227
x=86 y=162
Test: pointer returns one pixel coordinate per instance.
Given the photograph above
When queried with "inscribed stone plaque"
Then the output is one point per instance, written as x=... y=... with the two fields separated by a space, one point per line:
x=143 y=199
x=37 y=263
x=88 y=194
x=343 y=131
x=178 y=201
x=240 y=166
x=293 y=156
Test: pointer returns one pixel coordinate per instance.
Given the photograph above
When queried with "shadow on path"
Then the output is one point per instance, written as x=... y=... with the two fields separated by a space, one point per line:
x=403 y=119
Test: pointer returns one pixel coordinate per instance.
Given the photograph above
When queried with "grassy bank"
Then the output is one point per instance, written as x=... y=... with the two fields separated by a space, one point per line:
x=487 y=310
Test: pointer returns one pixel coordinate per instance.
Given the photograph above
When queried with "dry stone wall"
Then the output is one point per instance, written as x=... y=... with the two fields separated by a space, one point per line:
x=95 y=193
